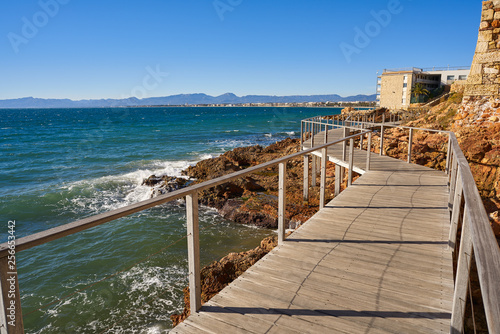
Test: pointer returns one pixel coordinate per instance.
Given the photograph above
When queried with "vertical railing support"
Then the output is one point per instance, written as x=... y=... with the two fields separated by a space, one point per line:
x=351 y=161
x=306 y=179
x=312 y=134
x=453 y=182
x=338 y=179
x=313 y=171
x=301 y=135
x=368 y=151
x=410 y=144
x=11 y=317
x=323 y=179
x=344 y=144
x=455 y=213
x=193 y=239
x=326 y=132
x=361 y=142
x=462 y=277
x=281 y=202
x=448 y=155
x=381 y=140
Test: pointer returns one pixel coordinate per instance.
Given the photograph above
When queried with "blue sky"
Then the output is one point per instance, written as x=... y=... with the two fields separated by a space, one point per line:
x=81 y=49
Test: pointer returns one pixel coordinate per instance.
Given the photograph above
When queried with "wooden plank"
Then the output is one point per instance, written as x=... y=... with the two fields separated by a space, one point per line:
x=193 y=240
x=323 y=300
x=455 y=213
x=381 y=140
x=313 y=171
x=338 y=179
x=486 y=251
x=368 y=152
x=281 y=202
x=462 y=277
x=323 y=179
x=351 y=162
x=306 y=180
x=410 y=145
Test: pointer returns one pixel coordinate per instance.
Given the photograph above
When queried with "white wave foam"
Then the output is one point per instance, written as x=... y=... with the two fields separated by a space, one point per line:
x=116 y=191
x=207 y=156
x=269 y=135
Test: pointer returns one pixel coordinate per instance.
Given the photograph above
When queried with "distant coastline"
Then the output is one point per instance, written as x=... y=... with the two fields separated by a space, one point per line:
x=197 y=100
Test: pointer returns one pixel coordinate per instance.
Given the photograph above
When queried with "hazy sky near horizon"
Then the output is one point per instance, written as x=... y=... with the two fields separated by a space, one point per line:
x=115 y=49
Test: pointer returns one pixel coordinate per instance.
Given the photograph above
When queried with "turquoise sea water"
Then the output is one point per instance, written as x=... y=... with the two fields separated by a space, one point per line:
x=61 y=165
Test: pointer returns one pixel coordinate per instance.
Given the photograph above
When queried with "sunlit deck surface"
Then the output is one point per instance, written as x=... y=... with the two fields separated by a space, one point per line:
x=374 y=260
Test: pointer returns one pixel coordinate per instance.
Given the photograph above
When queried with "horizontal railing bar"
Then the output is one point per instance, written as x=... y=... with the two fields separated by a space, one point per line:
x=385 y=125
x=486 y=251
x=96 y=220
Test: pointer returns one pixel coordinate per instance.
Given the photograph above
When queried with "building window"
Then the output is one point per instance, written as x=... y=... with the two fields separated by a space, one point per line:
x=462 y=77
x=405 y=85
x=450 y=77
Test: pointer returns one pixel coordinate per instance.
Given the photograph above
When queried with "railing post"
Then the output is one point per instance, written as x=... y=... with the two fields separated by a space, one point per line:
x=361 y=142
x=193 y=239
x=323 y=179
x=344 y=145
x=462 y=277
x=338 y=179
x=301 y=135
x=453 y=182
x=11 y=317
x=281 y=202
x=448 y=155
x=368 y=151
x=306 y=179
x=351 y=161
x=313 y=171
x=455 y=213
x=381 y=140
x=326 y=132
x=410 y=144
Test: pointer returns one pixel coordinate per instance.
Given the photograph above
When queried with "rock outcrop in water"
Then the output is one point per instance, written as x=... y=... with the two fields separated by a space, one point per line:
x=251 y=200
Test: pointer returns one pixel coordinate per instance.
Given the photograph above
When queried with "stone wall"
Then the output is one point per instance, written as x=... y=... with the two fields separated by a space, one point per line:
x=482 y=90
x=484 y=78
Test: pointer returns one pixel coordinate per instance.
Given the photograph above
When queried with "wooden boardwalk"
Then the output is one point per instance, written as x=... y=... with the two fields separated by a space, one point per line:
x=374 y=260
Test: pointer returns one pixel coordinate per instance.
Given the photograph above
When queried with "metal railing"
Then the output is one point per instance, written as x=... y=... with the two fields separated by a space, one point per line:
x=8 y=267
x=466 y=212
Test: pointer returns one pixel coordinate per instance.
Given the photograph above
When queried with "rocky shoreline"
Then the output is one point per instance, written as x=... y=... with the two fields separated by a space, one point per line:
x=251 y=200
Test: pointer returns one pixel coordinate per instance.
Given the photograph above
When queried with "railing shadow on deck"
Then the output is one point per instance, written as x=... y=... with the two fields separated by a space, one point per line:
x=467 y=215
x=325 y=312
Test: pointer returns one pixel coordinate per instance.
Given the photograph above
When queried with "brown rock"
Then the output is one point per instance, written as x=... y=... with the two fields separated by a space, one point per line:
x=495 y=24
x=219 y=274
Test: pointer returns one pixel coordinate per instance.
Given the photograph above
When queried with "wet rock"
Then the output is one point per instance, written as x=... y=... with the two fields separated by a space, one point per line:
x=164 y=184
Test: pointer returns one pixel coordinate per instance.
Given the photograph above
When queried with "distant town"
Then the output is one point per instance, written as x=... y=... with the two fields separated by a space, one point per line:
x=340 y=104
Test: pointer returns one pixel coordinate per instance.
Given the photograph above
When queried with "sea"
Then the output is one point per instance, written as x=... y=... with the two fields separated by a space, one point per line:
x=126 y=276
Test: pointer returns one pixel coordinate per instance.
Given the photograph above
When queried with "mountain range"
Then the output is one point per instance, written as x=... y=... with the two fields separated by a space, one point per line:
x=182 y=99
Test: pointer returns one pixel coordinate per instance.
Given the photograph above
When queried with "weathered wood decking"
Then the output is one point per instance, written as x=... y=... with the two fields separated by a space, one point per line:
x=374 y=260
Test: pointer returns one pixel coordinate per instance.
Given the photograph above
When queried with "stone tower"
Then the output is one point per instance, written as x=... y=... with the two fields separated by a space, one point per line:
x=484 y=78
x=481 y=103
